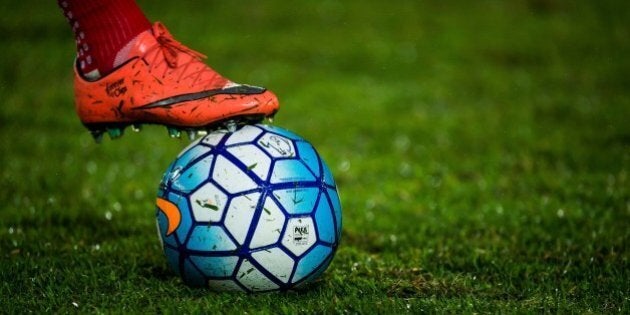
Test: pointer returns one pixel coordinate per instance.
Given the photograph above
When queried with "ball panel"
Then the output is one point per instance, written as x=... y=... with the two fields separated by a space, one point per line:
x=297 y=200
x=192 y=153
x=281 y=131
x=318 y=272
x=299 y=235
x=309 y=156
x=310 y=262
x=192 y=276
x=188 y=147
x=244 y=135
x=287 y=171
x=172 y=256
x=215 y=266
x=239 y=215
x=277 y=262
x=165 y=180
x=324 y=219
x=214 y=138
x=208 y=203
x=162 y=223
x=253 y=158
x=269 y=226
x=162 y=192
x=186 y=216
x=192 y=177
x=328 y=178
x=277 y=146
x=209 y=238
x=230 y=177
x=334 y=198
x=253 y=279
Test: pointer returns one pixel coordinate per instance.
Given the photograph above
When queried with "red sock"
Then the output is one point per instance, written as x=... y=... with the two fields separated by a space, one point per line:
x=102 y=28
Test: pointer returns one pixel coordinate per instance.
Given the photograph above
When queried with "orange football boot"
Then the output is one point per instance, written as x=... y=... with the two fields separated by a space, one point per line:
x=167 y=83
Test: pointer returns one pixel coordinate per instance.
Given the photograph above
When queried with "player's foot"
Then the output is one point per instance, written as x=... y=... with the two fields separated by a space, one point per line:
x=166 y=83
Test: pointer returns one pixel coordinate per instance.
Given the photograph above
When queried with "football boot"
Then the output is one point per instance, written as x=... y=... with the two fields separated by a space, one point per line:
x=167 y=83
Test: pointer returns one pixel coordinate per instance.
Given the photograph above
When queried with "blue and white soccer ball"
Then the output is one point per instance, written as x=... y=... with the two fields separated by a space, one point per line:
x=253 y=210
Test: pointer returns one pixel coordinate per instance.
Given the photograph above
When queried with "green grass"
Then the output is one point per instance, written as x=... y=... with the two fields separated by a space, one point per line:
x=481 y=149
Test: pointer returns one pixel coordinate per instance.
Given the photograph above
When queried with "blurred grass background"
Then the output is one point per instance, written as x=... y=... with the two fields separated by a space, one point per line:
x=481 y=150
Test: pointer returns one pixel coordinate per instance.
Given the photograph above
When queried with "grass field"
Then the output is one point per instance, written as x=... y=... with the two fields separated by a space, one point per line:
x=481 y=149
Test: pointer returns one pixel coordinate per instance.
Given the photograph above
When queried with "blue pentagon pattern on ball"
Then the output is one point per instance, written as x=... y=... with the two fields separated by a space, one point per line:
x=252 y=210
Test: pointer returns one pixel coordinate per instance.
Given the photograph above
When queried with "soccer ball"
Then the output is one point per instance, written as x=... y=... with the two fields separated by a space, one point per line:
x=256 y=209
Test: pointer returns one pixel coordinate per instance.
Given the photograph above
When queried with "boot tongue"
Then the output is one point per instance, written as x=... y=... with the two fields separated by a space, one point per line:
x=136 y=47
x=171 y=48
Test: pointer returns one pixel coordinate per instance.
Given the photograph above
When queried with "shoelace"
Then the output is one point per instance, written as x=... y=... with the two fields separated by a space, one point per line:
x=171 y=47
